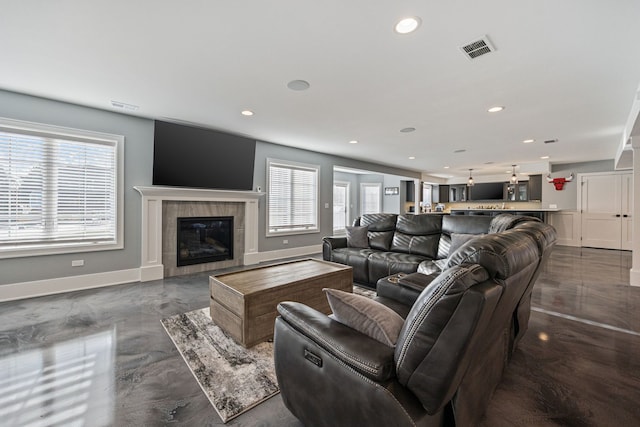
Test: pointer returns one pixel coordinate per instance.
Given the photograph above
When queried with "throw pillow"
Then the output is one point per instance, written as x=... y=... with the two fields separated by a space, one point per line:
x=357 y=237
x=459 y=239
x=365 y=315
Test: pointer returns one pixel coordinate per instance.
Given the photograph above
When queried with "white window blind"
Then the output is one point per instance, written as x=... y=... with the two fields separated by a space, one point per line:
x=57 y=188
x=370 y=195
x=292 y=198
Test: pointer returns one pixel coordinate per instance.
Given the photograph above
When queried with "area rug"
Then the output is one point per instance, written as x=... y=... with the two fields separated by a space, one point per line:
x=233 y=378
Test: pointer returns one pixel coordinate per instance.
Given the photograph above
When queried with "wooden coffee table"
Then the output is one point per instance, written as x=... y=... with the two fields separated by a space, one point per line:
x=244 y=303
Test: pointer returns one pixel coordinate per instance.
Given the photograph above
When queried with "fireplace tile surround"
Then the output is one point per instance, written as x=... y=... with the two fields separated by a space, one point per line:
x=161 y=206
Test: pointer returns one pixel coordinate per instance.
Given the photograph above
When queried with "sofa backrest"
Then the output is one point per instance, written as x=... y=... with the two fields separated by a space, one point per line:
x=417 y=234
x=511 y=259
x=434 y=346
x=381 y=227
x=460 y=224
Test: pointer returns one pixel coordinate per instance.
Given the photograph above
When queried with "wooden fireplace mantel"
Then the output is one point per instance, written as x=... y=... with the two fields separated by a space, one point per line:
x=151 y=267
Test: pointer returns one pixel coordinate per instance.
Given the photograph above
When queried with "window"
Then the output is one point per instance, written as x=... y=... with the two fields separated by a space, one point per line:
x=59 y=190
x=292 y=206
x=370 y=195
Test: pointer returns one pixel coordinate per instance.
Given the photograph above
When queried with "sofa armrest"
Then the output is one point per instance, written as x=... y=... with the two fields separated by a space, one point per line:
x=359 y=351
x=330 y=243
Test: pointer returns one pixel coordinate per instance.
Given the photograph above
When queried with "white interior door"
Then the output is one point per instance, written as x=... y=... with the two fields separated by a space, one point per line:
x=601 y=217
x=607 y=207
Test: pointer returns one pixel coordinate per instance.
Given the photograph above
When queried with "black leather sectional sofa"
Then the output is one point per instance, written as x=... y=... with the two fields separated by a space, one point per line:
x=400 y=243
x=459 y=327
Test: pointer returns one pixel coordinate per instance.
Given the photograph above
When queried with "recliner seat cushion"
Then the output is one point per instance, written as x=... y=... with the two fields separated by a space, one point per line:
x=383 y=264
x=358 y=258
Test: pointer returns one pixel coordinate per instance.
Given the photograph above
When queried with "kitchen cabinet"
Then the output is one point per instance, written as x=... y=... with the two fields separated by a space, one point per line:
x=534 y=190
x=411 y=191
x=516 y=192
x=443 y=194
x=458 y=193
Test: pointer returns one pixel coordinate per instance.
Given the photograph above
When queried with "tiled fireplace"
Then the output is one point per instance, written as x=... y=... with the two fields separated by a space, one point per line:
x=161 y=208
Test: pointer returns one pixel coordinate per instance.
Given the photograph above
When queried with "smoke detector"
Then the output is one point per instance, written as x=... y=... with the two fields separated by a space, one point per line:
x=477 y=48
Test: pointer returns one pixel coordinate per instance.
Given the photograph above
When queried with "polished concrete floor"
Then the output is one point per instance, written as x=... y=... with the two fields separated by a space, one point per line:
x=101 y=357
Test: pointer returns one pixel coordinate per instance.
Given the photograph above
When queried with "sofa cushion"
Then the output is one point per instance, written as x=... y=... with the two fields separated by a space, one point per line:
x=358 y=258
x=459 y=239
x=365 y=315
x=464 y=224
x=506 y=221
x=380 y=240
x=357 y=237
x=417 y=234
x=502 y=254
x=379 y=221
x=383 y=264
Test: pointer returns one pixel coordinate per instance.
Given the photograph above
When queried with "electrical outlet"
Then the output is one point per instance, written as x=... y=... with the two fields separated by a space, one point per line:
x=77 y=263
x=285 y=242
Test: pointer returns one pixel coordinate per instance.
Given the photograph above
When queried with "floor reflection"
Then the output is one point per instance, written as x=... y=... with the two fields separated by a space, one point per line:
x=69 y=383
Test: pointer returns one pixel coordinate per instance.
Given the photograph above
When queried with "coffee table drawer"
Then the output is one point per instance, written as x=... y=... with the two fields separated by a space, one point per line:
x=227 y=321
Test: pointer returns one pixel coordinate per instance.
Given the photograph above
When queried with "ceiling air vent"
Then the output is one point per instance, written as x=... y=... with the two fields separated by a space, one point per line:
x=477 y=48
x=551 y=141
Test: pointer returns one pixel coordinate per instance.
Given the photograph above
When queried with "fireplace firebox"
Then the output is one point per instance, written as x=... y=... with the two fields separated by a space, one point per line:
x=206 y=239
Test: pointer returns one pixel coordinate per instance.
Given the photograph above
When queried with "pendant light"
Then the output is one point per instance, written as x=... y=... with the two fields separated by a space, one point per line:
x=470 y=182
x=514 y=177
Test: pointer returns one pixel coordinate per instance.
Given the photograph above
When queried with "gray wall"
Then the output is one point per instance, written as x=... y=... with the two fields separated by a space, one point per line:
x=392 y=204
x=567 y=198
x=138 y=165
x=326 y=162
x=138 y=157
x=354 y=191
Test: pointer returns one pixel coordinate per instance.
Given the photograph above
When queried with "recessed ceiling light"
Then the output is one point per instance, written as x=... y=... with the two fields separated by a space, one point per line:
x=544 y=157
x=412 y=157
x=246 y=113
x=446 y=167
x=298 y=85
x=495 y=109
x=528 y=141
x=353 y=141
x=407 y=130
x=407 y=25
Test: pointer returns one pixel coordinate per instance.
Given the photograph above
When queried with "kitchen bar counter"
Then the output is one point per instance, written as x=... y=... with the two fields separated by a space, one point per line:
x=537 y=213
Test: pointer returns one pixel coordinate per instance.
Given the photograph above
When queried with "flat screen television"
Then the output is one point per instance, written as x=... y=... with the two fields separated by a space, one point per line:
x=186 y=156
x=487 y=191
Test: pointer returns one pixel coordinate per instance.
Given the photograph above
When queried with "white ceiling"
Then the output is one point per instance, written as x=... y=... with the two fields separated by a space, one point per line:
x=563 y=69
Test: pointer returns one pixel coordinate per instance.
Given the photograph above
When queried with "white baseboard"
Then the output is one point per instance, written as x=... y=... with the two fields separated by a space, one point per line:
x=634 y=277
x=257 y=257
x=37 y=288
x=59 y=285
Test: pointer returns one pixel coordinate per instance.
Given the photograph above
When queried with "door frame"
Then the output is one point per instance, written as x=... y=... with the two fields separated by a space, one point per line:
x=347 y=213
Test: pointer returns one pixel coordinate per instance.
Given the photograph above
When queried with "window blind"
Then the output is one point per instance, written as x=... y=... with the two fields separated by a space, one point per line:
x=56 y=189
x=370 y=198
x=292 y=198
